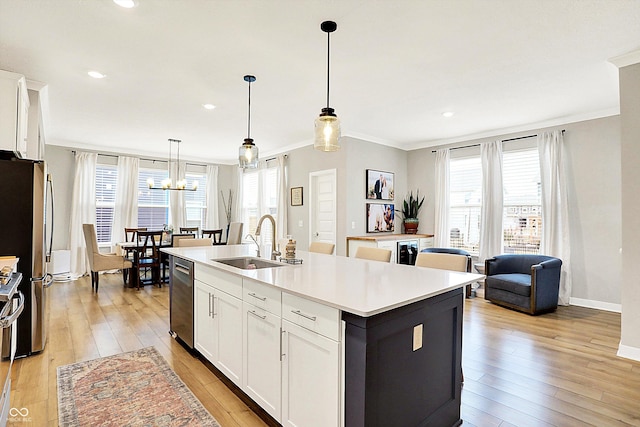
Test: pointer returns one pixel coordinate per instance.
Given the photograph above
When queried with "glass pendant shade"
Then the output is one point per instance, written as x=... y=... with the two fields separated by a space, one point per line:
x=327 y=131
x=248 y=155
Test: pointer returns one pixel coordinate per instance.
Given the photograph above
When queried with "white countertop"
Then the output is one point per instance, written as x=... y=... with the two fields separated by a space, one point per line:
x=357 y=286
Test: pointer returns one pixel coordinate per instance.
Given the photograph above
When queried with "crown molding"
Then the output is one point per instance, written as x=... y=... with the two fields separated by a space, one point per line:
x=627 y=59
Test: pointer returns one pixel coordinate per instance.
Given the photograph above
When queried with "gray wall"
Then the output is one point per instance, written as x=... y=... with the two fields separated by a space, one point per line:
x=630 y=125
x=350 y=163
x=593 y=164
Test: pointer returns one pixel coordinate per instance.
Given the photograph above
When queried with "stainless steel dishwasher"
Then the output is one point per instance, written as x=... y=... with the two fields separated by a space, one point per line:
x=181 y=300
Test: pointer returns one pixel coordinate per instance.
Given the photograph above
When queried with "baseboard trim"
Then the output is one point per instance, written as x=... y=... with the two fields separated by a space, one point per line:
x=629 y=352
x=600 y=305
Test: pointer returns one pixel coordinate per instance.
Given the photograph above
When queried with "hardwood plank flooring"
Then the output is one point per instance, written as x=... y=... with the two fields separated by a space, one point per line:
x=559 y=369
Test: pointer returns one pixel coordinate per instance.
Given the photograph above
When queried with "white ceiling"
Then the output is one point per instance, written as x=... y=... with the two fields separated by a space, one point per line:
x=396 y=66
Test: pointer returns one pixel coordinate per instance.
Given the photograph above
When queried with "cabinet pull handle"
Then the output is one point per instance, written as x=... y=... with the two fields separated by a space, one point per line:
x=257 y=315
x=210 y=308
x=306 y=316
x=253 y=294
x=214 y=306
x=282 y=331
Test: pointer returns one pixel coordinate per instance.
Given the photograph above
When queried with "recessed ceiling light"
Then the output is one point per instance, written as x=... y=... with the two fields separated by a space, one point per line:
x=96 y=74
x=126 y=3
x=209 y=106
x=447 y=114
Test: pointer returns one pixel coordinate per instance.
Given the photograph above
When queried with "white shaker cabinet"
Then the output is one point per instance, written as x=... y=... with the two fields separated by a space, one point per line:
x=311 y=381
x=218 y=316
x=311 y=363
x=262 y=346
x=14 y=113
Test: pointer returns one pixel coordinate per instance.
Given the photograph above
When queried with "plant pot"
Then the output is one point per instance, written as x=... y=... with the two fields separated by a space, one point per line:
x=411 y=227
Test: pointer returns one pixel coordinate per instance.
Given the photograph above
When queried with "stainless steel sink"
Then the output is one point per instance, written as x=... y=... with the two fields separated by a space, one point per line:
x=249 y=263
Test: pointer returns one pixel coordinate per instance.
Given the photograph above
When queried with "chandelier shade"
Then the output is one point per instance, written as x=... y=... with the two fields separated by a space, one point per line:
x=327 y=125
x=248 y=152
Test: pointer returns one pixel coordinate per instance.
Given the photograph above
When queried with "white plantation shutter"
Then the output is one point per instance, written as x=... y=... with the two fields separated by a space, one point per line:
x=522 y=219
x=153 y=205
x=465 y=197
x=106 y=176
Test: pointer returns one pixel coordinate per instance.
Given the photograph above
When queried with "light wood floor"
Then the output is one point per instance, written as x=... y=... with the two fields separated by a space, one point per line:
x=558 y=369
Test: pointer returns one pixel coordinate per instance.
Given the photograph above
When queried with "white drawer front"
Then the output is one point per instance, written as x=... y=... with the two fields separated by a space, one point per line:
x=316 y=317
x=226 y=282
x=263 y=296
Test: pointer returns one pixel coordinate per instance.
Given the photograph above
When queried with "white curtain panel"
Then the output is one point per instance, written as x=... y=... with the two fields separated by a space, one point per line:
x=492 y=200
x=177 y=214
x=441 y=238
x=236 y=214
x=126 y=205
x=283 y=198
x=212 y=220
x=555 y=214
x=83 y=210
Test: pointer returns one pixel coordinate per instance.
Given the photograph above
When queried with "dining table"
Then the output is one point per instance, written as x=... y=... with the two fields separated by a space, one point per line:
x=123 y=248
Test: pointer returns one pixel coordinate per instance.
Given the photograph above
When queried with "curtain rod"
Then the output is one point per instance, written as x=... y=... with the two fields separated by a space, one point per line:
x=504 y=140
x=147 y=160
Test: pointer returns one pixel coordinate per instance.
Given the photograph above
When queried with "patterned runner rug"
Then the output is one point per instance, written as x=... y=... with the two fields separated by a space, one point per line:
x=136 y=388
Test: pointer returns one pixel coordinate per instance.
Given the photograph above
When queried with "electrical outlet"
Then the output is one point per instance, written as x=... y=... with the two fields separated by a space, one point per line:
x=417 y=337
x=300 y=223
x=353 y=225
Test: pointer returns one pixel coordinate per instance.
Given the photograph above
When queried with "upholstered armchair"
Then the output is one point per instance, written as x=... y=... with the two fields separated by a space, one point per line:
x=99 y=261
x=528 y=283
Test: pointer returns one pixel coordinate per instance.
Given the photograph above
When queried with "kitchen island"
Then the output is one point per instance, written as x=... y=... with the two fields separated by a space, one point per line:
x=334 y=340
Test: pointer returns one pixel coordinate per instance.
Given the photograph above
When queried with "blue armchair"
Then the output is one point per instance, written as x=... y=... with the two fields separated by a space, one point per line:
x=527 y=283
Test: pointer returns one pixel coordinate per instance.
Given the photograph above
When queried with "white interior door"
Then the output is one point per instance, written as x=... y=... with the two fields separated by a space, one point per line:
x=322 y=212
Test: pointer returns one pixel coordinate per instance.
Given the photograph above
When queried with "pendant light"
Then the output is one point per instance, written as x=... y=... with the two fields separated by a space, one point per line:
x=327 y=126
x=167 y=183
x=248 y=153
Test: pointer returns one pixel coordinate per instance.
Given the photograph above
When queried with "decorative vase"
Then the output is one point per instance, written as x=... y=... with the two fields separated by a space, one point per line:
x=290 y=249
x=411 y=226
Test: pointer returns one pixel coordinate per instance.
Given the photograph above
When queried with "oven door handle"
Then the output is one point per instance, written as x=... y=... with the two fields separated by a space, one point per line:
x=6 y=321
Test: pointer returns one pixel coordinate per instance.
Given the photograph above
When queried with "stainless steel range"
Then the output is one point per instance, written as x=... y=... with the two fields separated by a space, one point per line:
x=11 y=306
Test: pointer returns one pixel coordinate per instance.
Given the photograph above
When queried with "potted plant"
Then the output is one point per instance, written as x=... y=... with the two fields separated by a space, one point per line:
x=410 y=209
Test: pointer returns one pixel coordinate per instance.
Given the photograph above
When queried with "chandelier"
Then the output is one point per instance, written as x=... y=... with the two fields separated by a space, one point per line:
x=168 y=183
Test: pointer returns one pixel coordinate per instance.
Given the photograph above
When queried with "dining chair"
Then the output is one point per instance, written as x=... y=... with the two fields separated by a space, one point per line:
x=147 y=257
x=235 y=233
x=99 y=261
x=164 y=258
x=194 y=230
x=442 y=261
x=216 y=235
x=208 y=241
x=322 y=248
x=374 y=254
x=131 y=235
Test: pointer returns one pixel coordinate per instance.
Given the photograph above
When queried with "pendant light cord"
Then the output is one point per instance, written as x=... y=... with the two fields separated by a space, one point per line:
x=249 y=117
x=328 y=59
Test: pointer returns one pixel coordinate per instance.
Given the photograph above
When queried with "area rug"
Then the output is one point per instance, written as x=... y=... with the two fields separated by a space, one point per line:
x=137 y=388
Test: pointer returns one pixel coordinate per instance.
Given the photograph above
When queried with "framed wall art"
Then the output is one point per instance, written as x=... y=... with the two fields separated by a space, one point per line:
x=380 y=217
x=296 y=196
x=379 y=185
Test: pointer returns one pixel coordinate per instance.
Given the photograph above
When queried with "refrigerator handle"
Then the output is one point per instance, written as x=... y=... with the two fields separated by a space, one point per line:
x=50 y=191
x=47 y=280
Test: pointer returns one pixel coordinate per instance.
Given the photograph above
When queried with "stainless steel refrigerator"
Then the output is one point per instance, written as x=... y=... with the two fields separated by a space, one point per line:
x=26 y=228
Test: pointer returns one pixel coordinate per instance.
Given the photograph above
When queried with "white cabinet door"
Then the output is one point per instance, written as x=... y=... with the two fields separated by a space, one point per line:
x=14 y=113
x=204 y=330
x=262 y=366
x=227 y=319
x=391 y=245
x=310 y=378
x=218 y=329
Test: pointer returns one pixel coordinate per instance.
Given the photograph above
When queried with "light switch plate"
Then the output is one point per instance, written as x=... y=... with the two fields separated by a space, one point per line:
x=417 y=337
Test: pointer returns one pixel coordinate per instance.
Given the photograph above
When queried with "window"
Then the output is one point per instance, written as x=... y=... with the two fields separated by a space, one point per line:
x=465 y=198
x=153 y=205
x=259 y=197
x=105 y=201
x=522 y=202
x=195 y=202
x=522 y=218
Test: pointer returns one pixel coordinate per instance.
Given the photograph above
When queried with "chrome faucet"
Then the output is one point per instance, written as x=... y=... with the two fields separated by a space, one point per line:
x=256 y=242
x=275 y=252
